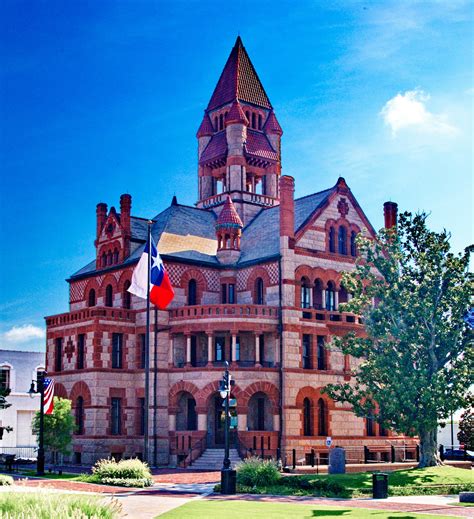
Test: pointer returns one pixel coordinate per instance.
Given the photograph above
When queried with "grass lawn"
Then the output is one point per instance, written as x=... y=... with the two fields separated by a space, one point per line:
x=43 y=505
x=429 y=481
x=239 y=509
x=87 y=478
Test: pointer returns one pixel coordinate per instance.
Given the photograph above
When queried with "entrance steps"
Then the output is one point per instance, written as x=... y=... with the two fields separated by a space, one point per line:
x=212 y=459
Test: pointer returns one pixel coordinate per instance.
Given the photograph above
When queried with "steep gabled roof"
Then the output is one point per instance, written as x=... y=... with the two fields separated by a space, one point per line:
x=239 y=81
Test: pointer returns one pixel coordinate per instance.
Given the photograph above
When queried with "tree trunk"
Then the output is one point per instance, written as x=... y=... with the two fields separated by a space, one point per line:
x=429 y=456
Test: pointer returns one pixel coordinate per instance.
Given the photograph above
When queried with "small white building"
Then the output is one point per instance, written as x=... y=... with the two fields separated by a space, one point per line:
x=17 y=370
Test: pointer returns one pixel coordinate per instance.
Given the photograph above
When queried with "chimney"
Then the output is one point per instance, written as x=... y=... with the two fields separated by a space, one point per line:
x=101 y=212
x=287 y=206
x=125 y=207
x=390 y=211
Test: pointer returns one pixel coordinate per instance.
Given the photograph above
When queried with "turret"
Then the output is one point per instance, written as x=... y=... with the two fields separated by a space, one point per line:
x=125 y=209
x=390 y=213
x=228 y=231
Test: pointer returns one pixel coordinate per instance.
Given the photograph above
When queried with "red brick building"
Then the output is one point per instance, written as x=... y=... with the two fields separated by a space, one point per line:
x=257 y=277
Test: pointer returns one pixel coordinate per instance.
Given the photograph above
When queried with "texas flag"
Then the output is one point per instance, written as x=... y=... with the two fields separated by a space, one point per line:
x=161 y=291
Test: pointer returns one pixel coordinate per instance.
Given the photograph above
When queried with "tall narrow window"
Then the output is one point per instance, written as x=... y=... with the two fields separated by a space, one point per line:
x=260 y=414
x=192 y=292
x=109 y=258
x=231 y=293
x=91 y=299
x=104 y=260
x=216 y=124
x=4 y=378
x=259 y=121
x=237 y=349
x=259 y=291
x=117 y=347
x=254 y=120
x=141 y=416
x=81 y=346
x=353 y=244
x=109 y=296
x=224 y=293
x=116 y=416
x=79 y=415
x=332 y=240
x=321 y=353
x=306 y=353
x=318 y=295
x=142 y=343
x=305 y=293
x=307 y=418
x=116 y=256
x=58 y=358
x=127 y=296
x=370 y=421
x=342 y=240
x=261 y=345
x=331 y=297
x=322 y=421
x=221 y=122
x=191 y=415
x=219 y=349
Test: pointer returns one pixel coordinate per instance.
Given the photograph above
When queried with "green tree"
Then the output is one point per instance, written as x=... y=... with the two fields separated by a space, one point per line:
x=466 y=425
x=4 y=392
x=416 y=357
x=58 y=428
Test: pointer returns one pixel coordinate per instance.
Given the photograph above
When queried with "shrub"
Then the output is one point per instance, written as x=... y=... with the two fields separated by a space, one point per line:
x=321 y=487
x=5 y=480
x=254 y=472
x=132 y=472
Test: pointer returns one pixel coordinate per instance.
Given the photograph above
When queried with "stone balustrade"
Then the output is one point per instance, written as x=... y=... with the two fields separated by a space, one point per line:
x=230 y=311
x=87 y=314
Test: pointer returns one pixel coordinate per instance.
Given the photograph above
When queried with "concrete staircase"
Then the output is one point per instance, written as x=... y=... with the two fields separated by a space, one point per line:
x=212 y=459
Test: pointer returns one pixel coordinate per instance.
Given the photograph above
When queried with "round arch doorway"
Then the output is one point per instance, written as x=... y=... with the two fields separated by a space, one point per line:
x=216 y=422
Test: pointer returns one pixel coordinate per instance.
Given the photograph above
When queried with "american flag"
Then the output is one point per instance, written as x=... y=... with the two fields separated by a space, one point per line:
x=48 y=395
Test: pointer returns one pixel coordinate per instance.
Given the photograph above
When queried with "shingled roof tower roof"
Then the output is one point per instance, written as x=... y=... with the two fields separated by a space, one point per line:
x=239 y=81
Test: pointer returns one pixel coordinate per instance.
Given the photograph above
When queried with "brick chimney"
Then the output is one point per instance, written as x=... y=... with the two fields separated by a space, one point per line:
x=390 y=211
x=287 y=206
x=125 y=208
x=101 y=212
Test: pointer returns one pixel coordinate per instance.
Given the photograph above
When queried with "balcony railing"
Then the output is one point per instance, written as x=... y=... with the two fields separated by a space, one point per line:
x=225 y=311
x=255 y=198
x=312 y=314
x=94 y=312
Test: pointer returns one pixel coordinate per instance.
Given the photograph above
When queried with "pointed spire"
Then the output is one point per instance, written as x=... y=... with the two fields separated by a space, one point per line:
x=272 y=125
x=239 y=81
x=205 y=128
x=229 y=216
x=236 y=115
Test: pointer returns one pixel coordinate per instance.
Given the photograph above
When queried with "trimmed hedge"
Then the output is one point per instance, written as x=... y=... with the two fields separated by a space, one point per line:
x=128 y=473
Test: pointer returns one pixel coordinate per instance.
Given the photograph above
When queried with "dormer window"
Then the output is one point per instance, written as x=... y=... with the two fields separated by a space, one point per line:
x=91 y=298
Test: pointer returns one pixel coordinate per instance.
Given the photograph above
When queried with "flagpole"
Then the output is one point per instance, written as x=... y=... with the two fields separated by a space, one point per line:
x=147 y=351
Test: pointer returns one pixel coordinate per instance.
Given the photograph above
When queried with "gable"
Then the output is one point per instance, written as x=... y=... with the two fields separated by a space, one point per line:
x=111 y=229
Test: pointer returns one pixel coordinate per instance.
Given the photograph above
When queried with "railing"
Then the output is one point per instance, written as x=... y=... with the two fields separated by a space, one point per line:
x=330 y=315
x=95 y=312
x=247 y=196
x=188 y=447
x=27 y=453
x=263 y=444
x=228 y=311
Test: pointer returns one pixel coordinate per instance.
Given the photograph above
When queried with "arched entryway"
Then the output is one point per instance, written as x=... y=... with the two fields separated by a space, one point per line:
x=186 y=416
x=216 y=422
x=259 y=416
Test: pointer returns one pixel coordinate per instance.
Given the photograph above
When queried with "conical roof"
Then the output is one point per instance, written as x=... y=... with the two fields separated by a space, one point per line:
x=229 y=216
x=272 y=125
x=206 y=127
x=239 y=81
x=236 y=115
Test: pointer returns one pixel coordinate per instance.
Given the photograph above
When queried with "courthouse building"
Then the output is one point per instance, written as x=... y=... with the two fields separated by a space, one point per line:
x=257 y=278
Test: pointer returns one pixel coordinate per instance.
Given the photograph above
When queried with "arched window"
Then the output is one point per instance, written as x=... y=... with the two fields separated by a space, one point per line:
x=109 y=258
x=192 y=292
x=216 y=122
x=307 y=418
x=116 y=256
x=221 y=122
x=104 y=260
x=321 y=352
x=254 y=120
x=318 y=295
x=332 y=240
x=127 y=296
x=91 y=298
x=342 y=240
x=79 y=415
x=331 y=296
x=186 y=416
x=305 y=292
x=370 y=423
x=259 y=121
x=259 y=291
x=322 y=418
x=259 y=415
x=109 y=296
x=353 y=244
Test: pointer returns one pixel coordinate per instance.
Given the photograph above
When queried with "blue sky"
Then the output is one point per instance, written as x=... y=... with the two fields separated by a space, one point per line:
x=102 y=98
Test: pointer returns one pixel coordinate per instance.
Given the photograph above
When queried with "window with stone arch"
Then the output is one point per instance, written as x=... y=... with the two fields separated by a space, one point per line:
x=342 y=240
x=331 y=296
x=109 y=258
x=322 y=418
x=305 y=292
x=259 y=291
x=104 y=260
x=353 y=244
x=91 y=299
x=192 y=292
x=254 y=120
x=332 y=239
x=307 y=417
x=318 y=294
x=127 y=296
x=116 y=256
x=109 y=296
x=259 y=121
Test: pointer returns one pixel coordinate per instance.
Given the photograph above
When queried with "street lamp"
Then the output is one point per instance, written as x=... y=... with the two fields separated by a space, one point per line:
x=32 y=391
x=228 y=475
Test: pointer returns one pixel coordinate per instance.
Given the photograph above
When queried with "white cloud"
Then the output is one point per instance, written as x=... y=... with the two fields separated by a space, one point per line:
x=409 y=110
x=24 y=333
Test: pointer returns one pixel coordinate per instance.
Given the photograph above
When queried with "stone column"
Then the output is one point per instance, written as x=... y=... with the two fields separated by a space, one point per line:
x=277 y=349
x=276 y=422
x=188 y=350
x=209 y=348
x=336 y=299
x=257 y=349
x=172 y=422
x=242 y=422
x=323 y=296
x=171 y=351
x=202 y=422
x=234 y=348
